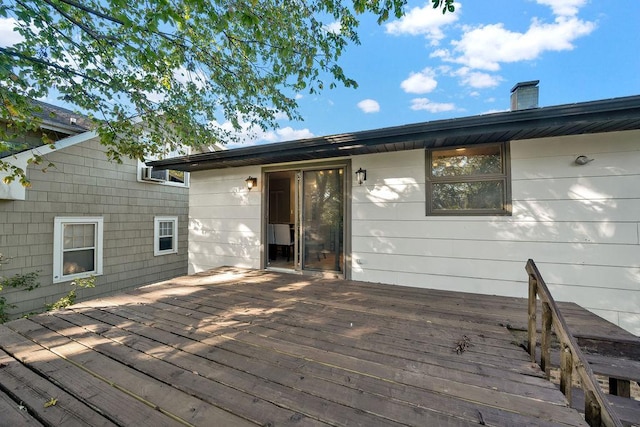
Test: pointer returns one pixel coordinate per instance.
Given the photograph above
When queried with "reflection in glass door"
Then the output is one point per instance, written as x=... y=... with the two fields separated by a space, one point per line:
x=322 y=217
x=281 y=209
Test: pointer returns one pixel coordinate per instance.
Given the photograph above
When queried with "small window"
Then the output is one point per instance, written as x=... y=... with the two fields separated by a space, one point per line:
x=469 y=181
x=165 y=239
x=77 y=247
x=164 y=176
x=148 y=173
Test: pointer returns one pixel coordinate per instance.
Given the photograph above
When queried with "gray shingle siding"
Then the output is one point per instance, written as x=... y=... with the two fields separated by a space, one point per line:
x=84 y=183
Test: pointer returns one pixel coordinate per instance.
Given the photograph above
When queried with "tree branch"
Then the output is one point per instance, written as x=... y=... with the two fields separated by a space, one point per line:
x=92 y=11
x=11 y=52
x=75 y=22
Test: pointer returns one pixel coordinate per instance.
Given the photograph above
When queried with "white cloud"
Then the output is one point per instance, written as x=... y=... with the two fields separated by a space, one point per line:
x=369 y=106
x=477 y=79
x=334 y=27
x=156 y=97
x=281 y=115
x=563 y=7
x=289 y=134
x=488 y=46
x=418 y=104
x=425 y=21
x=253 y=135
x=9 y=37
x=184 y=76
x=422 y=82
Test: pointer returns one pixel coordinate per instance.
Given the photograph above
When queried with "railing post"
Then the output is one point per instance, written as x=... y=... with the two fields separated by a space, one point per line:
x=598 y=410
x=533 y=295
x=592 y=410
x=566 y=371
x=545 y=340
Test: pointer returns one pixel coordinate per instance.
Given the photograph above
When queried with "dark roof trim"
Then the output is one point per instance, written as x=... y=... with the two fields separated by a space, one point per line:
x=572 y=119
x=525 y=84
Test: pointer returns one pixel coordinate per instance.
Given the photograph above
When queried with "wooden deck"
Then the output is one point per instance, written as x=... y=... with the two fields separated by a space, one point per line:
x=243 y=347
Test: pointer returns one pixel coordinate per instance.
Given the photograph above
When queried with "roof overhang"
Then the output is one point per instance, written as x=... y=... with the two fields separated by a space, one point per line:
x=610 y=115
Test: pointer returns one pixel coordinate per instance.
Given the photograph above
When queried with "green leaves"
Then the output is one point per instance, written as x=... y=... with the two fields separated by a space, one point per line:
x=182 y=66
x=26 y=282
x=447 y=5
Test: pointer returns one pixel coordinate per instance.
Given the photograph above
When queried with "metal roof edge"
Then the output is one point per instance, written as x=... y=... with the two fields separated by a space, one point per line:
x=565 y=113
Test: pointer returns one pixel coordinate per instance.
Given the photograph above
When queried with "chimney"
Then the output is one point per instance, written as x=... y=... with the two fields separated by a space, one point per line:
x=524 y=95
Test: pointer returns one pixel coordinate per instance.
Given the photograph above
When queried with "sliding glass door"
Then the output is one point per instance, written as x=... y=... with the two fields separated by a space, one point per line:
x=311 y=203
x=323 y=220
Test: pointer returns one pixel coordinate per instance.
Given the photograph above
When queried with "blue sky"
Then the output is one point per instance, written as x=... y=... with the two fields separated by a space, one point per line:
x=427 y=66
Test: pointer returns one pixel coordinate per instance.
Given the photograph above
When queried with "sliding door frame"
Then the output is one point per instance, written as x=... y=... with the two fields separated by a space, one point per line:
x=301 y=167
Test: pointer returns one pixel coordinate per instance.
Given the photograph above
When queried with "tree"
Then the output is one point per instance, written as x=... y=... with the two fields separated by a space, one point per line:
x=180 y=65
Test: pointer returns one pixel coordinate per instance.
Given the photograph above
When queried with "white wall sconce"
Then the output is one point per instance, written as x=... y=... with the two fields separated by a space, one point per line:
x=582 y=160
x=361 y=176
x=251 y=182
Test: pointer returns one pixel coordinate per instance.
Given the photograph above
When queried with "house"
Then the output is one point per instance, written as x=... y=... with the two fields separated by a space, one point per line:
x=85 y=216
x=457 y=204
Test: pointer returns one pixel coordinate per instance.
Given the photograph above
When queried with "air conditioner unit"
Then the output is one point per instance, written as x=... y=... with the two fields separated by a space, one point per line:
x=149 y=174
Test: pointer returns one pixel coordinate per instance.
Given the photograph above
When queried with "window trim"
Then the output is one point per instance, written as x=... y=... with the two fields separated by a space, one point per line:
x=140 y=178
x=156 y=235
x=58 y=247
x=504 y=177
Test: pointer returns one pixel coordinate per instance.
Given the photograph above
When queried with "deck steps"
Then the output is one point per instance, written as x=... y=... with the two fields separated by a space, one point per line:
x=628 y=410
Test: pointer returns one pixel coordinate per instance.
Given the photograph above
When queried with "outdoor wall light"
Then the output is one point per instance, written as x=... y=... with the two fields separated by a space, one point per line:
x=361 y=175
x=582 y=160
x=251 y=182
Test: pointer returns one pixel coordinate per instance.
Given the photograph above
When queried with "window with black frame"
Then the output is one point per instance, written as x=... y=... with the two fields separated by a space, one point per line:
x=469 y=180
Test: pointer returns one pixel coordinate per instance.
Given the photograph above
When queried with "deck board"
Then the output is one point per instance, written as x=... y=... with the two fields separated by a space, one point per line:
x=15 y=413
x=246 y=347
x=32 y=392
x=99 y=393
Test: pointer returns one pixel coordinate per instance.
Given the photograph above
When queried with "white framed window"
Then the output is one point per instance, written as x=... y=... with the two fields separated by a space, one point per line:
x=165 y=176
x=165 y=235
x=77 y=247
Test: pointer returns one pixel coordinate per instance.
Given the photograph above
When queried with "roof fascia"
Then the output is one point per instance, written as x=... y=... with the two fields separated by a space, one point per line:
x=57 y=127
x=63 y=143
x=15 y=190
x=553 y=115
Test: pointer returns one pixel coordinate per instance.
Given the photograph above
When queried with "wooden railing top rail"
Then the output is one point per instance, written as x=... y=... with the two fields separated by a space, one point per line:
x=598 y=411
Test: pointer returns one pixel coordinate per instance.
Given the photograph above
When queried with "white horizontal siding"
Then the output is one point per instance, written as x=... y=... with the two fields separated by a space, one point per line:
x=580 y=188
x=624 y=256
x=580 y=223
x=500 y=229
x=582 y=210
x=224 y=219
x=588 y=276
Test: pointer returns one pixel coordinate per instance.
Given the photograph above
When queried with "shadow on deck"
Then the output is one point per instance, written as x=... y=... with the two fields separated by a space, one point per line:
x=234 y=347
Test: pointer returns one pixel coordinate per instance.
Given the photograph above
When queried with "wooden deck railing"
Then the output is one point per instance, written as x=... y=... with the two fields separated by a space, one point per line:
x=598 y=411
